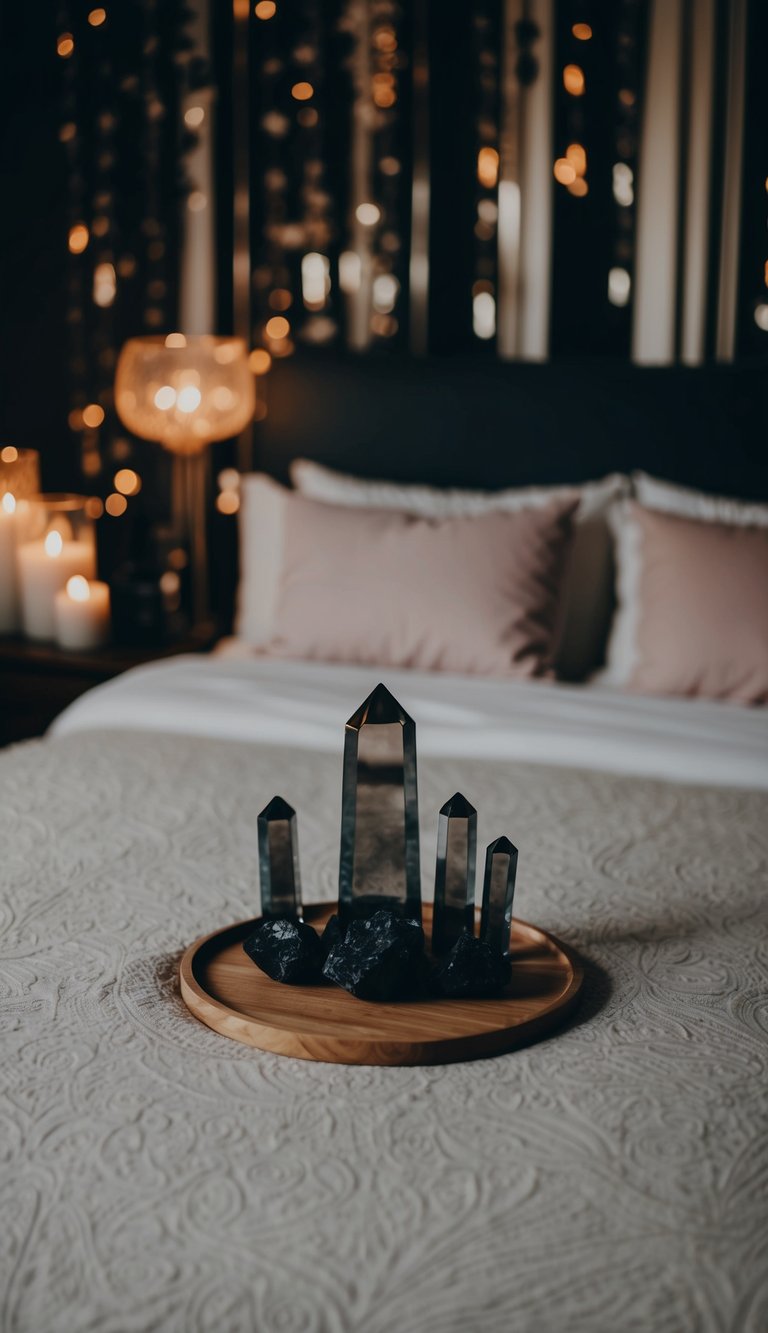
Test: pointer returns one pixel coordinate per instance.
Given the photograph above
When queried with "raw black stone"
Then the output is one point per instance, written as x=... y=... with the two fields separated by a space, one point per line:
x=332 y=935
x=471 y=971
x=380 y=958
x=288 y=951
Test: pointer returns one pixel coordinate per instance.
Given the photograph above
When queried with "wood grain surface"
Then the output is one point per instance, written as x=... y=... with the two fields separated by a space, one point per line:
x=226 y=991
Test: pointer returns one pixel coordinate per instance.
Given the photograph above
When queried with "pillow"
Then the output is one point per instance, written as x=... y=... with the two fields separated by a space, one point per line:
x=700 y=615
x=669 y=498
x=378 y=587
x=589 y=592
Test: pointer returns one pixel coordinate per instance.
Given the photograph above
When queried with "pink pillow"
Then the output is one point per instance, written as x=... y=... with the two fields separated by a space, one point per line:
x=702 y=615
x=378 y=587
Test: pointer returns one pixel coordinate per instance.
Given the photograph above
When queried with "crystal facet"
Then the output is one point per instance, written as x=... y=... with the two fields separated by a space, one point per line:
x=379 y=864
x=279 y=861
x=471 y=971
x=454 y=907
x=288 y=951
x=498 y=892
x=380 y=958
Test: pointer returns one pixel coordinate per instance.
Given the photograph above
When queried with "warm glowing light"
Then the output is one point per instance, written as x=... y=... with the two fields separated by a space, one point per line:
x=197 y=201
x=127 y=482
x=619 y=286
x=97 y=17
x=627 y=97
x=280 y=299
x=77 y=588
x=104 y=285
x=623 y=179
x=165 y=398
x=573 y=80
x=94 y=507
x=189 y=398
x=228 y=479
x=115 y=505
x=488 y=167
x=350 y=271
x=368 y=214
x=564 y=172
x=78 y=238
x=302 y=91
x=277 y=327
x=175 y=340
x=384 y=39
x=65 y=45
x=582 y=32
x=484 y=315
x=9 y=453
x=576 y=154
x=8 y=503
x=385 y=291
x=265 y=9
x=307 y=117
x=315 y=280
x=194 y=116
x=389 y=166
x=93 y=415
x=177 y=558
x=761 y=317
x=228 y=502
x=383 y=90
x=488 y=211
x=579 y=188
x=259 y=361
x=53 y=544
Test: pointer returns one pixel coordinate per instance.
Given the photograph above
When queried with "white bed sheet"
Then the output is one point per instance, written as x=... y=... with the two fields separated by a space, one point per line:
x=305 y=705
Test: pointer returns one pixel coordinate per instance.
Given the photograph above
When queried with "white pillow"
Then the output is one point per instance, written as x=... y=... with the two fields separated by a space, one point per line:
x=670 y=498
x=589 y=594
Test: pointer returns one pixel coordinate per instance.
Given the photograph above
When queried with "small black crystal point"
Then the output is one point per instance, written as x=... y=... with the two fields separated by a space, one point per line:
x=471 y=971
x=380 y=958
x=279 y=861
x=498 y=894
x=288 y=951
x=454 y=901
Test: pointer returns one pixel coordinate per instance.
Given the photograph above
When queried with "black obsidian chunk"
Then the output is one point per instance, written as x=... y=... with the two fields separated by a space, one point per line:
x=288 y=951
x=380 y=958
x=471 y=971
x=332 y=935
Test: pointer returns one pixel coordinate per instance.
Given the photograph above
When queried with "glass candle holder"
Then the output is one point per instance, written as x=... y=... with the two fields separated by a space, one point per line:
x=19 y=479
x=58 y=541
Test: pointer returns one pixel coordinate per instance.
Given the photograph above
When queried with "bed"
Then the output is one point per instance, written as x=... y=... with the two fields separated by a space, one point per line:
x=157 y=1176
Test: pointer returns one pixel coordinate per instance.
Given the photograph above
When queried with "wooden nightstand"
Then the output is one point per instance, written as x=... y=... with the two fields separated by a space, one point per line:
x=39 y=680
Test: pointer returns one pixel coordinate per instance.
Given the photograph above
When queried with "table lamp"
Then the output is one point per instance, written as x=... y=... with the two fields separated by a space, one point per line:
x=185 y=393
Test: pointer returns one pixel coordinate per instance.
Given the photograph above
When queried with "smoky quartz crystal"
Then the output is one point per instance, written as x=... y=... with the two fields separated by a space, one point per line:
x=498 y=893
x=279 y=861
x=379 y=863
x=454 y=905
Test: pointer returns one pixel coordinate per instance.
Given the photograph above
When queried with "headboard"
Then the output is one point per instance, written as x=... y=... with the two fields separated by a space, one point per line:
x=486 y=423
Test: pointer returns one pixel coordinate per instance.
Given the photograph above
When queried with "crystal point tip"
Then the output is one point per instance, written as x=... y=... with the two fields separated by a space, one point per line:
x=380 y=707
x=458 y=807
x=502 y=845
x=278 y=808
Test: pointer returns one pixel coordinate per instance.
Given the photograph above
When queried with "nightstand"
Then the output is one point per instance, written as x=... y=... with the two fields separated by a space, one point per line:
x=39 y=680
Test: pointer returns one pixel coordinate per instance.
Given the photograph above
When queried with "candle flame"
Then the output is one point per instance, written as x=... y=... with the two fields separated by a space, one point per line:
x=53 y=544
x=77 y=588
x=9 y=503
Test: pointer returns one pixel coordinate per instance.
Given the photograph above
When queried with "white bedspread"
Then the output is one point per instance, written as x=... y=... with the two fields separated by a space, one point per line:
x=305 y=704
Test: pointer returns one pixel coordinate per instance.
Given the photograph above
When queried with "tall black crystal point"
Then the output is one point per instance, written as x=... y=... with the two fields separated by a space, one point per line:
x=379 y=862
x=454 y=907
x=471 y=971
x=498 y=892
x=380 y=958
x=288 y=951
x=279 y=861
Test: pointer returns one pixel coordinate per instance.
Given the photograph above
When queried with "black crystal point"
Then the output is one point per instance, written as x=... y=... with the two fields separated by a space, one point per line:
x=498 y=893
x=379 y=862
x=380 y=958
x=279 y=861
x=454 y=905
x=288 y=951
x=471 y=971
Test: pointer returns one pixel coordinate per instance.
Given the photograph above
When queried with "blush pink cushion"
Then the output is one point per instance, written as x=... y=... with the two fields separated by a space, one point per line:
x=702 y=615
x=472 y=595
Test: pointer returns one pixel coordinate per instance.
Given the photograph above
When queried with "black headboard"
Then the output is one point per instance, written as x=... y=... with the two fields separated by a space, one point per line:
x=461 y=422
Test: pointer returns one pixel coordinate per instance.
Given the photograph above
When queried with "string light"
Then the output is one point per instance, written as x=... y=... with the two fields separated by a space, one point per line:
x=194 y=116
x=582 y=32
x=228 y=502
x=78 y=238
x=104 y=285
x=259 y=361
x=302 y=91
x=573 y=80
x=619 y=286
x=9 y=453
x=197 y=201
x=280 y=299
x=165 y=398
x=93 y=416
x=368 y=214
x=265 y=9
x=761 y=317
x=189 y=398
x=65 y=45
x=115 y=505
x=564 y=172
x=97 y=17
x=488 y=167
x=175 y=340
x=127 y=482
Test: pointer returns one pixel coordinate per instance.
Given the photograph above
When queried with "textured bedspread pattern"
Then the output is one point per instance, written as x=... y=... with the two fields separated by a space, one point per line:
x=157 y=1176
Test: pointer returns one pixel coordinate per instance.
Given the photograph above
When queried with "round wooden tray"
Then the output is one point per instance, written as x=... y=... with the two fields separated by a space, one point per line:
x=226 y=991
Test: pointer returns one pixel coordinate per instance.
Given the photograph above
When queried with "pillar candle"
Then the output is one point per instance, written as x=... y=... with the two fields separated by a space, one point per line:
x=44 y=568
x=81 y=611
x=9 y=594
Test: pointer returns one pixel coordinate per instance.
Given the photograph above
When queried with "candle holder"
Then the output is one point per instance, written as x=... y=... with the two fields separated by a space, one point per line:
x=19 y=479
x=57 y=542
x=185 y=393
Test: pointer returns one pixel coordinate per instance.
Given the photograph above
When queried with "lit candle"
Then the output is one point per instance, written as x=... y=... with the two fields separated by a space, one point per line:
x=44 y=568
x=9 y=592
x=81 y=612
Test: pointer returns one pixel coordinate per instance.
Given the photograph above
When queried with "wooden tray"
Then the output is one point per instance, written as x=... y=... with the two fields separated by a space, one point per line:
x=226 y=991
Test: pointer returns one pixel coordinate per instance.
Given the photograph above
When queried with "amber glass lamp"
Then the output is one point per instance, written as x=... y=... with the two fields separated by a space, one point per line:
x=185 y=393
